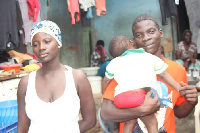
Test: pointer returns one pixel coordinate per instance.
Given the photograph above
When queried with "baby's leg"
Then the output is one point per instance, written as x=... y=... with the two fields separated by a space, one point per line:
x=129 y=126
x=151 y=123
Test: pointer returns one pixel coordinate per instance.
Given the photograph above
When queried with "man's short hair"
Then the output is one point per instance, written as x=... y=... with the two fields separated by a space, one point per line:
x=118 y=45
x=100 y=42
x=143 y=17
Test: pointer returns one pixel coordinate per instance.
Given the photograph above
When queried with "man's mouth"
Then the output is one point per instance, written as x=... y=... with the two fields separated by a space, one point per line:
x=147 y=45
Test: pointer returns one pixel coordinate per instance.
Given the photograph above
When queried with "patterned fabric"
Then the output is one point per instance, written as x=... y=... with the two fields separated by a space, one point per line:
x=186 y=53
x=48 y=27
x=94 y=59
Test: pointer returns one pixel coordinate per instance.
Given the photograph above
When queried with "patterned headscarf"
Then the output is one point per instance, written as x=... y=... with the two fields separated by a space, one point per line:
x=48 y=27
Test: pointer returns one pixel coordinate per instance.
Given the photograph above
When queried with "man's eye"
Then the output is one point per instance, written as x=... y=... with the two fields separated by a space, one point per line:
x=138 y=35
x=151 y=31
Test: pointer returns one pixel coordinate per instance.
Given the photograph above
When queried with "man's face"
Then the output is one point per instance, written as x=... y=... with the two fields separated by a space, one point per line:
x=147 y=35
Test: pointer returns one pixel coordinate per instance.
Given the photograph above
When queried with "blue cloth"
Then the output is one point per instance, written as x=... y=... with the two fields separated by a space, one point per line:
x=89 y=13
x=102 y=69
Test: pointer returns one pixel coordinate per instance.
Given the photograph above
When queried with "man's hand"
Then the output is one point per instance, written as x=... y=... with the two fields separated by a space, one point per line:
x=151 y=104
x=190 y=93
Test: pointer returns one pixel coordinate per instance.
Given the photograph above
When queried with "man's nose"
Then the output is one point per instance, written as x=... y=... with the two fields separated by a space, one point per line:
x=146 y=37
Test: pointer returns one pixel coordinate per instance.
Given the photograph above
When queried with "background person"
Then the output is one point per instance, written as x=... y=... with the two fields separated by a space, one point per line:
x=50 y=98
x=147 y=35
x=186 y=52
x=99 y=55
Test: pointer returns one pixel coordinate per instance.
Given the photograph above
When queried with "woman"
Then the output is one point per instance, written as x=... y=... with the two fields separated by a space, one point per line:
x=186 y=52
x=49 y=99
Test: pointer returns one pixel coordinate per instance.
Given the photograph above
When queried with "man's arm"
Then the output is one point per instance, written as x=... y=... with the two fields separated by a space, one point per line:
x=110 y=112
x=190 y=94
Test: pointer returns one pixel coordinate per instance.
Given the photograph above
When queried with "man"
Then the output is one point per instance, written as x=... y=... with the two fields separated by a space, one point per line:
x=147 y=35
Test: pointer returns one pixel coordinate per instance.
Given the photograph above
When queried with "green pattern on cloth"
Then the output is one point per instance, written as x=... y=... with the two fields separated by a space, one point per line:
x=191 y=66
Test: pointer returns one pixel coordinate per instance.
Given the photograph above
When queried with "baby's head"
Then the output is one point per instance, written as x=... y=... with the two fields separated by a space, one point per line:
x=119 y=44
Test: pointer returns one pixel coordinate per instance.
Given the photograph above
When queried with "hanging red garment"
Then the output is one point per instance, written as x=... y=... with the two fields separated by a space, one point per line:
x=33 y=9
x=73 y=7
x=100 y=7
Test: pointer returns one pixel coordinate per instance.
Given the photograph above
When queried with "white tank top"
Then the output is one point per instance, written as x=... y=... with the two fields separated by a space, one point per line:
x=60 y=116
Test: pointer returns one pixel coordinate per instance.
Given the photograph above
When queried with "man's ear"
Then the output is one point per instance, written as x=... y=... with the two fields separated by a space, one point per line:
x=161 y=32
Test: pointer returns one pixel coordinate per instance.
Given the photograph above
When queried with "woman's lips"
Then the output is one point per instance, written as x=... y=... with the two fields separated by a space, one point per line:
x=43 y=55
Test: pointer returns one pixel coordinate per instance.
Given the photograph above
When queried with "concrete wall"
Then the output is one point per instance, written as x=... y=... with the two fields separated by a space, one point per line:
x=71 y=51
x=120 y=16
x=118 y=21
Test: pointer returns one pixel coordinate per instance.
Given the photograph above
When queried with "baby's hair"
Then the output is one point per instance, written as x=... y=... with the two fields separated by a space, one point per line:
x=118 y=45
x=143 y=17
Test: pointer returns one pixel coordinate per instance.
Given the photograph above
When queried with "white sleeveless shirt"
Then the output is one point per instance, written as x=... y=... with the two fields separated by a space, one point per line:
x=60 y=116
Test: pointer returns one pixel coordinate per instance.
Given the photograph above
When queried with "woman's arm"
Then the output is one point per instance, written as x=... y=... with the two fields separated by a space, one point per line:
x=23 y=120
x=87 y=103
x=178 y=56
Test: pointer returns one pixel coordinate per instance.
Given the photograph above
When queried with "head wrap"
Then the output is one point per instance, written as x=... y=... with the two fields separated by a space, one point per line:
x=48 y=27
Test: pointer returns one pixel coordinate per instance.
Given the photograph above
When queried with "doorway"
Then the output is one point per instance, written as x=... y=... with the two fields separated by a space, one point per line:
x=183 y=20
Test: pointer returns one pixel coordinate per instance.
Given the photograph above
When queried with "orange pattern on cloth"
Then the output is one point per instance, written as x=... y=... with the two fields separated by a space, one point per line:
x=179 y=74
x=32 y=5
x=73 y=7
x=100 y=7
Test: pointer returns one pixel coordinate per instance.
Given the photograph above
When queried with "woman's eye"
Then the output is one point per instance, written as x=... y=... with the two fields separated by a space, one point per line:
x=47 y=41
x=35 y=44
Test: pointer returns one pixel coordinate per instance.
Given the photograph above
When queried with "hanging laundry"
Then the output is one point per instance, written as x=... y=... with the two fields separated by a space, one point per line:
x=73 y=7
x=8 y=25
x=33 y=9
x=100 y=7
x=167 y=8
x=85 y=4
x=27 y=22
x=89 y=13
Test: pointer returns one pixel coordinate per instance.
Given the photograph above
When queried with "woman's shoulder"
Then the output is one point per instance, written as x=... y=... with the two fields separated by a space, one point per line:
x=22 y=87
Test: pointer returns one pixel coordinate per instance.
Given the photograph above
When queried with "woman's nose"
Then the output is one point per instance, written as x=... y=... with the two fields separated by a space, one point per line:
x=42 y=47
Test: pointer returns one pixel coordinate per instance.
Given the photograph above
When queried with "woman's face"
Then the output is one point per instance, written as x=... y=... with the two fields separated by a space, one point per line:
x=45 y=47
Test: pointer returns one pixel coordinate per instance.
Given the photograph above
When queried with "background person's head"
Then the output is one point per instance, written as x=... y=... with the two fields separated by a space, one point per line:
x=100 y=43
x=119 y=44
x=147 y=34
x=187 y=36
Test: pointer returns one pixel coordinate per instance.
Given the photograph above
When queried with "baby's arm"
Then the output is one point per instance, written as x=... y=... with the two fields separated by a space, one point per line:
x=105 y=83
x=169 y=80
